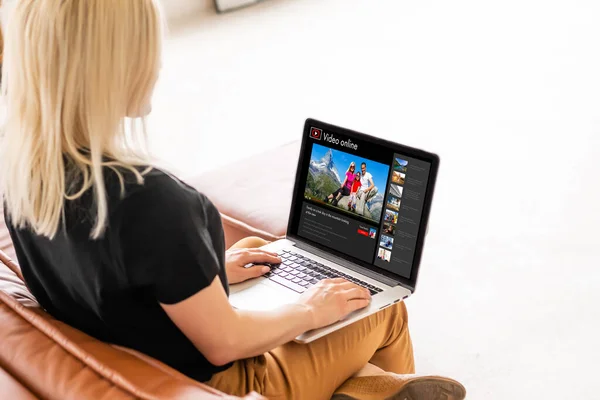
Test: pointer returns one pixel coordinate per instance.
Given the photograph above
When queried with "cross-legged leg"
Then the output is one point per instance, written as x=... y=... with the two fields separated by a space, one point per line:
x=317 y=369
x=249 y=242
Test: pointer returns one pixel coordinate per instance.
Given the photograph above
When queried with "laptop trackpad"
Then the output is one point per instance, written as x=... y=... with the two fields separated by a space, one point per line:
x=263 y=296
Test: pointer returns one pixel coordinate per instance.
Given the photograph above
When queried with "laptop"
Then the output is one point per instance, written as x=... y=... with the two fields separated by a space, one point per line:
x=370 y=231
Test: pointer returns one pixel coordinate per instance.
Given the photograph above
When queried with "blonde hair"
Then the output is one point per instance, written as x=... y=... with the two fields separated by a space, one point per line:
x=352 y=164
x=73 y=71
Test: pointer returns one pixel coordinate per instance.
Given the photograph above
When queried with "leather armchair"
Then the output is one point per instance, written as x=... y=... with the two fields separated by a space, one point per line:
x=41 y=357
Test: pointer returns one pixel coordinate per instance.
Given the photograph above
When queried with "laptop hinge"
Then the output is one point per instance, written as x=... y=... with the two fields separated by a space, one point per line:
x=347 y=264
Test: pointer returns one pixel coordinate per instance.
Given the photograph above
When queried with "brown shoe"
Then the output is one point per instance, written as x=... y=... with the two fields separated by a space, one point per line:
x=400 y=387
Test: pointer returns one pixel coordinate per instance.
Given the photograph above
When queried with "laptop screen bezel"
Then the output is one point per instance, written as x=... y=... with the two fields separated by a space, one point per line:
x=431 y=158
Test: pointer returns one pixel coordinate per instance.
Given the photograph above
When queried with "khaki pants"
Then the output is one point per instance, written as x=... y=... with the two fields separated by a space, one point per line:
x=315 y=370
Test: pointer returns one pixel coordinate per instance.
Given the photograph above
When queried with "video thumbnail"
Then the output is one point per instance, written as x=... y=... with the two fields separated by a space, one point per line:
x=384 y=255
x=398 y=177
x=393 y=202
x=400 y=165
x=396 y=190
x=391 y=216
x=386 y=242
x=389 y=229
x=346 y=182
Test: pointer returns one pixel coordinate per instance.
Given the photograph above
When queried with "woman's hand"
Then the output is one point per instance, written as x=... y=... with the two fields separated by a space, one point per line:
x=237 y=259
x=332 y=299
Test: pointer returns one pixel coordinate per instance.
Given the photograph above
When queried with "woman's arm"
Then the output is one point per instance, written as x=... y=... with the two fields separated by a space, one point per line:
x=344 y=183
x=223 y=334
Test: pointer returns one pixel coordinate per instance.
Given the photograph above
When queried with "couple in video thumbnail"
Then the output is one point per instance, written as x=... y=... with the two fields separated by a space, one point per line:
x=352 y=189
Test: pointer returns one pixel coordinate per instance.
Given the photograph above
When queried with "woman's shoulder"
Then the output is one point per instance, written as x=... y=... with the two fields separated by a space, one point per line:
x=158 y=190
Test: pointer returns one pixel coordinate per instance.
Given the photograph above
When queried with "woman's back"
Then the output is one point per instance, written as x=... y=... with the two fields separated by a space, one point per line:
x=108 y=287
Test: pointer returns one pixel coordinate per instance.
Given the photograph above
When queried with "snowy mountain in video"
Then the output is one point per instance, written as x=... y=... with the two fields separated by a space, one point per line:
x=325 y=166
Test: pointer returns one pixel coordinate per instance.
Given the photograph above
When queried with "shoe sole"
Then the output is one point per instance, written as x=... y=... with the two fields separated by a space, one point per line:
x=421 y=389
x=430 y=389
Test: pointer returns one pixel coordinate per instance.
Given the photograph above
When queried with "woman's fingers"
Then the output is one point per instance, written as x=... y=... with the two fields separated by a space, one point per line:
x=346 y=285
x=251 y=250
x=267 y=258
x=349 y=289
x=256 y=256
x=356 y=293
x=357 y=304
x=343 y=284
x=263 y=252
x=256 y=271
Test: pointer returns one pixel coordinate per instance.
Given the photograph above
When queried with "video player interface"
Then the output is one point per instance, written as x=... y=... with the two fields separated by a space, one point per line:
x=362 y=199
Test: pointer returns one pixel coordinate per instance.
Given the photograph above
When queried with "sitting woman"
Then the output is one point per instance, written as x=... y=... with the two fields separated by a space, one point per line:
x=343 y=190
x=129 y=254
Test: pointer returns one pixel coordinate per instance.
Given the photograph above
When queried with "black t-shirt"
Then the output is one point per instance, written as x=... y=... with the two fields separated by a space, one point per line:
x=164 y=243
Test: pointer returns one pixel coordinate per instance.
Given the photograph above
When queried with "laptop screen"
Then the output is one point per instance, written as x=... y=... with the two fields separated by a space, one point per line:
x=361 y=198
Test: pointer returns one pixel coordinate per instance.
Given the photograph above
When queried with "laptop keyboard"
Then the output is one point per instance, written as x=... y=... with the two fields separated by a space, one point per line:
x=299 y=272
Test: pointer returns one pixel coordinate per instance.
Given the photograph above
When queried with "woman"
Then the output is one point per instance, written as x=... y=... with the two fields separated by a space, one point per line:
x=135 y=257
x=344 y=189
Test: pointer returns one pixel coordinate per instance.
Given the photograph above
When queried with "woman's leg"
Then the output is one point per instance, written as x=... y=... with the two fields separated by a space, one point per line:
x=317 y=369
x=369 y=370
x=250 y=242
x=342 y=192
x=334 y=194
